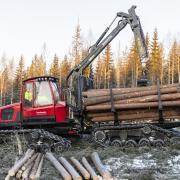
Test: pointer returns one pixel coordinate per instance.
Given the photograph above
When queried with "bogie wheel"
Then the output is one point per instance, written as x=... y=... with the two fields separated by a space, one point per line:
x=116 y=143
x=159 y=143
x=175 y=141
x=130 y=144
x=146 y=130
x=144 y=142
x=99 y=136
x=58 y=148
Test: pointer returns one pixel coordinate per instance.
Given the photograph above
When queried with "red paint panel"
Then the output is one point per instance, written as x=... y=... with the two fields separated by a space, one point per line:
x=16 y=109
x=38 y=111
x=60 y=111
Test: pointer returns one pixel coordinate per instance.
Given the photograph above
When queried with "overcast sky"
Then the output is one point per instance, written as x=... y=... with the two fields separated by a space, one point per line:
x=25 y=25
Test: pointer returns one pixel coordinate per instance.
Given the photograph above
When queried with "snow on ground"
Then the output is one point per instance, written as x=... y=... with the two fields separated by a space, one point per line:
x=140 y=164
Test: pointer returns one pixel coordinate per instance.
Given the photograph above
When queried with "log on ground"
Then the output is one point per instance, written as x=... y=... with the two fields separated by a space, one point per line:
x=19 y=164
x=58 y=166
x=100 y=167
x=93 y=174
x=35 y=166
x=75 y=175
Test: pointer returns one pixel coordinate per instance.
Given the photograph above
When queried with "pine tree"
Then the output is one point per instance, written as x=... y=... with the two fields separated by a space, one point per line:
x=88 y=72
x=77 y=46
x=108 y=67
x=19 y=76
x=174 y=57
x=65 y=68
x=155 y=60
x=99 y=73
x=134 y=66
x=55 y=69
x=37 y=67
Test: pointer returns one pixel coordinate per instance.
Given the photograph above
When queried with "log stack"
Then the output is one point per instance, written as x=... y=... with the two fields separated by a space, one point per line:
x=133 y=104
x=30 y=167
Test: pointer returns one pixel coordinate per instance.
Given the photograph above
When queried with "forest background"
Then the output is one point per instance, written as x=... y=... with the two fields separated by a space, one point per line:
x=122 y=70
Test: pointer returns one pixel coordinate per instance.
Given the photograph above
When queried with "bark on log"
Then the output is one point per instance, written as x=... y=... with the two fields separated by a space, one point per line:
x=38 y=173
x=81 y=169
x=151 y=98
x=26 y=173
x=8 y=177
x=98 y=100
x=148 y=105
x=19 y=164
x=106 y=92
x=35 y=166
x=90 y=169
x=139 y=116
x=20 y=151
x=58 y=166
x=75 y=175
x=130 y=112
x=25 y=166
x=100 y=167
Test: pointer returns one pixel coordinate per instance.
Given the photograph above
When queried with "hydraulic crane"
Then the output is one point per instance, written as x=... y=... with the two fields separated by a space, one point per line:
x=77 y=82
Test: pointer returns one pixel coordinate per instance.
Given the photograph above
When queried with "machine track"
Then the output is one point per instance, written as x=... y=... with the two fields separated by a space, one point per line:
x=39 y=139
x=134 y=135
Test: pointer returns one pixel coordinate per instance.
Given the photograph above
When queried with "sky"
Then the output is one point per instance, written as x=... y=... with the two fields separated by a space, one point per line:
x=26 y=25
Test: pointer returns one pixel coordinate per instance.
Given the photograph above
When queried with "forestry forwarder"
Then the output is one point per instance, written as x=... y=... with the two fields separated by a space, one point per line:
x=42 y=114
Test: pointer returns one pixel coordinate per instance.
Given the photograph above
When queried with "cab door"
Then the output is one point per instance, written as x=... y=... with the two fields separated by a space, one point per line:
x=40 y=108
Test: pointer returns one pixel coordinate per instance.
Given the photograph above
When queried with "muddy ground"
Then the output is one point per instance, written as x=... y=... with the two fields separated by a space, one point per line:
x=144 y=163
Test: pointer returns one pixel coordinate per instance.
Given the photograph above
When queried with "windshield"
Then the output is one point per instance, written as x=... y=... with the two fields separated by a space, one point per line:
x=43 y=95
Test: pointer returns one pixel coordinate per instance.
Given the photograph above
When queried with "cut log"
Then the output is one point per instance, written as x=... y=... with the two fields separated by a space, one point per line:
x=38 y=173
x=106 y=92
x=151 y=98
x=148 y=105
x=75 y=175
x=58 y=166
x=139 y=116
x=35 y=167
x=80 y=168
x=93 y=174
x=19 y=164
x=29 y=161
x=20 y=151
x=98 y=100
x=100 y=167
x=19 y=174
x=26 y=173
x=131 y=112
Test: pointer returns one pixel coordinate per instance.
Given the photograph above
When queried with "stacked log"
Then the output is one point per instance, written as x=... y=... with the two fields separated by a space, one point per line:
x=28 y=167
x=132 y=104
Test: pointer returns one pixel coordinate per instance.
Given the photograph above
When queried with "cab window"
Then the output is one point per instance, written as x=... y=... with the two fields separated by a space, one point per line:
x=28 y=95
x=43 y=95
x=55 y=91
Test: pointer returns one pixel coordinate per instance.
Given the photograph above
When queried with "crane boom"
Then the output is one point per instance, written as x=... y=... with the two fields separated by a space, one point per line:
x=76 y=82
